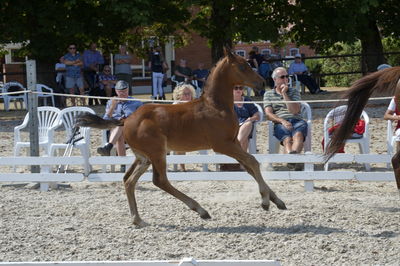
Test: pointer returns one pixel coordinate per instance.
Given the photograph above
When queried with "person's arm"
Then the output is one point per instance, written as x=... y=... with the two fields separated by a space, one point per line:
x=111 y=108
x=391 y=115
x=293 y=107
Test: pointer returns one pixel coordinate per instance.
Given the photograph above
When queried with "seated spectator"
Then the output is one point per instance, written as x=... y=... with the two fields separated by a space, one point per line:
x=289 y=127
x=247 y=113
x=252 y=60
x=301 y=70
x=107 y=81
x=183 y=73
x=184 y=92
x=118 y=109
x=201 y=74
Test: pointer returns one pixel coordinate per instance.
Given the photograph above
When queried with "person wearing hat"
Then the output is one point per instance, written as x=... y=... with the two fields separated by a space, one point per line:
x=301 y=70
x=118 y=109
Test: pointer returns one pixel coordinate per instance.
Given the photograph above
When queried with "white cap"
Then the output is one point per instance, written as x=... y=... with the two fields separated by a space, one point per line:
x=297 y=55
x=383 y=66
x=121 y=85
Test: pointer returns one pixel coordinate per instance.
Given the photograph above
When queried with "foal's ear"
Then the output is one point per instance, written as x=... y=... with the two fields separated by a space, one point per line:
x=228 y=51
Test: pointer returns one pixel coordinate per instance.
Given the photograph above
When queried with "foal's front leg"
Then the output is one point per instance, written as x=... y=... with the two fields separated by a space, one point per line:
x=160 y=180
x=253 y=168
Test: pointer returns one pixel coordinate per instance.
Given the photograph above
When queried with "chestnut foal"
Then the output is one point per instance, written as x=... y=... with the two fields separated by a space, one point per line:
x=383 y=81
x=205 y=123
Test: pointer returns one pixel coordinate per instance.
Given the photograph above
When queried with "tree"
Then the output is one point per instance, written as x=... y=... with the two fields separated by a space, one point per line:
x=320 y=24
x=46 y=27
x=225 y=21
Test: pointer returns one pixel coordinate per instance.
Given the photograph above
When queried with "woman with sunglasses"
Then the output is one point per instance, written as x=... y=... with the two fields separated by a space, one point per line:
x=247 y=113
x=282 y=108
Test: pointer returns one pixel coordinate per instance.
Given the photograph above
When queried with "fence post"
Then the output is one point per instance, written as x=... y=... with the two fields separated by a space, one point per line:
x=32 y=108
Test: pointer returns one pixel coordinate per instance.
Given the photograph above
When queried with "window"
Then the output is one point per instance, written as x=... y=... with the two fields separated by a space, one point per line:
x=266 y=51
x=294 y=51
x=242 y=53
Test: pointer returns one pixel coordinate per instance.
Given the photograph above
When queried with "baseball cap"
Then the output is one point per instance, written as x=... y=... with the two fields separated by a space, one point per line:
x=121 y=85
x=383 y=66
x=297 y=55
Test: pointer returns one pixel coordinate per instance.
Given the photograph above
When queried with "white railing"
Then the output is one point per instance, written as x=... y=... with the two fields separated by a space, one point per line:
x=308 y=175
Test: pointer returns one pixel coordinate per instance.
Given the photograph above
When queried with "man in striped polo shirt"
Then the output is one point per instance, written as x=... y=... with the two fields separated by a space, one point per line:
x=289 y=127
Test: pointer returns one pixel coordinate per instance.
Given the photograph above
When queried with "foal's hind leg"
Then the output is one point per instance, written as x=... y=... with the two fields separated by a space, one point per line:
x=160 y=180
x=130 y=179
x=396 y=168
x=253 y=168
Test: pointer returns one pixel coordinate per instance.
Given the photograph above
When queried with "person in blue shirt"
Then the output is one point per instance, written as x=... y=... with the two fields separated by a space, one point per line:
x=247 y=114
x=118 y=109
x=73 y=63
x=301 y=70
x=200 y=74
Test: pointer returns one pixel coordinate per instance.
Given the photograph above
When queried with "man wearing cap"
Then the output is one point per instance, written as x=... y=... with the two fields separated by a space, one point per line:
x=118 y=109
x=301 y=70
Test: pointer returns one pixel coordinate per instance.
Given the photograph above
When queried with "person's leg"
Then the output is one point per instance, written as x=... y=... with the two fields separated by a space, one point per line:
x=287 y=144
x=309 y=83
x=79 y=83
x=299 y=134
x=298 y=141
x=154 y=84
x=115 y=134
x=159 y=77
x=243 y=135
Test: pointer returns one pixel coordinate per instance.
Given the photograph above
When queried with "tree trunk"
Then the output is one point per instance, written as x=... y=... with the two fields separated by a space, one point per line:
x=372 y=48
x=221 y=27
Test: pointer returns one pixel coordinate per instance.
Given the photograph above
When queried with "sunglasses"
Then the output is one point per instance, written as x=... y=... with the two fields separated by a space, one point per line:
x=238 y=88
x=72 y=48
x=284 y=76
x=107 y=70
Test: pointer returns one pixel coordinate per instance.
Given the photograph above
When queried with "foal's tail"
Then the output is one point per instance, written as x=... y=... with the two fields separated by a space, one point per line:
x=383 y=81
x=91 y=120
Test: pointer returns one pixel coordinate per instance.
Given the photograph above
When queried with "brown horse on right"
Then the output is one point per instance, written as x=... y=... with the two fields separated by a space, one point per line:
x=204 y=123
x=383 y=81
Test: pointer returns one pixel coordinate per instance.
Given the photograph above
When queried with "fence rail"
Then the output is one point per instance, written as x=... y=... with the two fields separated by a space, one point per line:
x=309 y=174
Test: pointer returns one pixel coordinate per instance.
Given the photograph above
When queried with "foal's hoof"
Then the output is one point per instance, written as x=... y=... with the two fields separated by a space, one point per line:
x=205 y=216
x=281 y=206
x=140 y=223
x=265 y=206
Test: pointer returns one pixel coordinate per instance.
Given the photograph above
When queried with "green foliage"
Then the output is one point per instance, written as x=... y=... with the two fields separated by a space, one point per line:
x=50 y=25
x=342 y=64
x=392 y=45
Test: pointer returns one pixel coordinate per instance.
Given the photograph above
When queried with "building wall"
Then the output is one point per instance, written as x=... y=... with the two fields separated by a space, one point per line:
x=285 y=51
x=195 y=52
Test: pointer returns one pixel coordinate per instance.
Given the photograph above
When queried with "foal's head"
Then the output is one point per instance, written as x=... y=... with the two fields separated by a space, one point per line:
x=241 y=72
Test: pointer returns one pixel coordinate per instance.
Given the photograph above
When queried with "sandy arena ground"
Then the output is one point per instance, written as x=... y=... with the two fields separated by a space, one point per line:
x=343 y=222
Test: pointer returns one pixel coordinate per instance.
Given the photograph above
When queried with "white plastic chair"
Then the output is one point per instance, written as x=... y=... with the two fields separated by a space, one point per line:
x=22 y=97
x=253 y=138
x=40 y=88
x=273 y=142
x=48 y=121
x=67 y=117
x=336 y=115
x=390 y=138
x=295 y=83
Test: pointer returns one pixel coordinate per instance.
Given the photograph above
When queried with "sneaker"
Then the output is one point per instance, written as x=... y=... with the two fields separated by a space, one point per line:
x=105 y=150
x=321 y=92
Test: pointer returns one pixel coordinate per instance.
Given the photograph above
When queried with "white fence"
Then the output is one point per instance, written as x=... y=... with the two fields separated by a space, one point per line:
x=183 y=262
x=308 y=175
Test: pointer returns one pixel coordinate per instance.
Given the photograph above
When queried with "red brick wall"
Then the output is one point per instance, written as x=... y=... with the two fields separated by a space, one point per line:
x=196 y=51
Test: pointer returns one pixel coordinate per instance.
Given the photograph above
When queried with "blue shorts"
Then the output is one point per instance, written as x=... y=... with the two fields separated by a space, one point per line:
x=299 y=125
x=72 y=82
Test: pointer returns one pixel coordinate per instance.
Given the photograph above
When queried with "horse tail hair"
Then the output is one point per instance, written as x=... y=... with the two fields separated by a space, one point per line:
x=91 y=120
x=383 y=81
